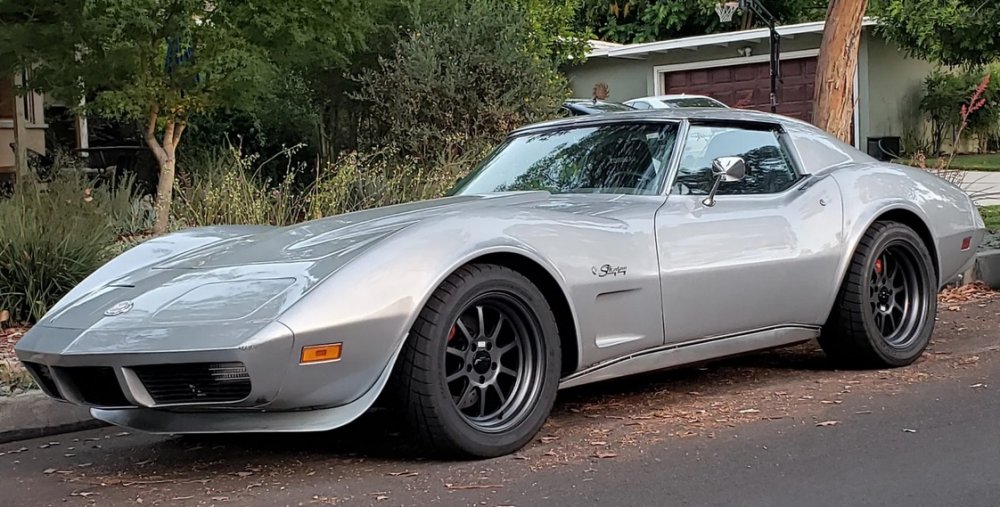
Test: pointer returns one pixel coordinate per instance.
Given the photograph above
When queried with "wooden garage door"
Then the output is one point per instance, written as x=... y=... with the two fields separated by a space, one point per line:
x=748 y=86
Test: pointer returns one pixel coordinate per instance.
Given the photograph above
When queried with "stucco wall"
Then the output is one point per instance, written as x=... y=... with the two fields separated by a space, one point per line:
x=893 y=83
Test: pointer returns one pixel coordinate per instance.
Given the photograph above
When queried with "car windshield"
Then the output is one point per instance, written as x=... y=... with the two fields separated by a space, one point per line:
x=694 y=102
x=613 y=159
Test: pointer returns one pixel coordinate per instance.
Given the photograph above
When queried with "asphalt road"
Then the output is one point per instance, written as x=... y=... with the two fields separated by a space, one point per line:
x=777 y=428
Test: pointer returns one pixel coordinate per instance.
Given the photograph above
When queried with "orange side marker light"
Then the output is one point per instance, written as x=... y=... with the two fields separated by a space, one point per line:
x=320 y=353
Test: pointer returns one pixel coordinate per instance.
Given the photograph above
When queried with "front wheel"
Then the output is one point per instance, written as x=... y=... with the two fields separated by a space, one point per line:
x=479 y=372
x=884 y=313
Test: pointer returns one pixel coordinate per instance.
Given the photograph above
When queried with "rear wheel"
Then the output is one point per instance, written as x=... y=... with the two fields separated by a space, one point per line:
x=884 y=314
x=479 y=372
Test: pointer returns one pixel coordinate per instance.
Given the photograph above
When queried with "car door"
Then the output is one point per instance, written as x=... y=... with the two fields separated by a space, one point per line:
x=764 y=255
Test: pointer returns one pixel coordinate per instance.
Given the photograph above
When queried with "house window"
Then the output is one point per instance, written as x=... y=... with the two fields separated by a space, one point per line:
x=7 y=98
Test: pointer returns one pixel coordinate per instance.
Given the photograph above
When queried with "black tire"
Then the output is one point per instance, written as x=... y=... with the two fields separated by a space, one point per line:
x=437 y=408
x=885 y=309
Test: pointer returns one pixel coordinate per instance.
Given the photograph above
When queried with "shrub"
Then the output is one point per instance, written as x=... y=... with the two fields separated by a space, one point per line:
x=460 y=82
x=945 y=93
x=225 y=187
x=52 y=235
x=360 y=181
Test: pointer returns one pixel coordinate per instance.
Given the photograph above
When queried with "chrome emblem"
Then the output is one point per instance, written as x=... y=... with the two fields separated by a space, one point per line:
x=118 y=309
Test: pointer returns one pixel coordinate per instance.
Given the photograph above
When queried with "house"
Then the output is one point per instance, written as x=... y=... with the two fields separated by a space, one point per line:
x=733 y=67
x=33 y=124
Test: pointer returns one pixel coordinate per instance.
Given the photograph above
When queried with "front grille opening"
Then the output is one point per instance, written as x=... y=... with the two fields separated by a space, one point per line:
x=96 y=385
x=43 y=377
x=170 y=384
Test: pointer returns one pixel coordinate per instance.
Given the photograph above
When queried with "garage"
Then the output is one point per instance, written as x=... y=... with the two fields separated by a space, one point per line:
x=748 y=85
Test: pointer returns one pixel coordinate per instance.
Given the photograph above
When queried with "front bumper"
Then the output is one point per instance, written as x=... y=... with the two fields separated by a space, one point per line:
x=240 y=421
x=247 y=376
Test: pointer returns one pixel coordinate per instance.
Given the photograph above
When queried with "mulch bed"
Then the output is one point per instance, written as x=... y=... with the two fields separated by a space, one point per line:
x=973 y=292
x=9 y=338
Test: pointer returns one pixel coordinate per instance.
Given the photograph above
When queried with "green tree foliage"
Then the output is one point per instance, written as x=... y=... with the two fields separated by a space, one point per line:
x=950 y=32
x=162 y=61
x=630 y=21
x=457 y=81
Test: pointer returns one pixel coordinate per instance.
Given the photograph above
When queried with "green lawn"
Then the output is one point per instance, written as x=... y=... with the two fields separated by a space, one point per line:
x=974 y=162
x=991 y=215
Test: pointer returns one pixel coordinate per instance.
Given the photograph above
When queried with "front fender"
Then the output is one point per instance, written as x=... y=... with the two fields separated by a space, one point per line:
x=370 y=304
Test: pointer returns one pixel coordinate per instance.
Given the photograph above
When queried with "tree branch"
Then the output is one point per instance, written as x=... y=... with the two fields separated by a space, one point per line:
x=150 y=134
x=180 y=130
x=168 y=134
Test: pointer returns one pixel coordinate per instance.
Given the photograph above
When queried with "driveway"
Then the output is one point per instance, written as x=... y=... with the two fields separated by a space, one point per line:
x=774 y=428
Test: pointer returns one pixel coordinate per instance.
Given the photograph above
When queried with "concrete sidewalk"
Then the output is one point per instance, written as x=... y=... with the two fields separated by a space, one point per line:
x=980 y=183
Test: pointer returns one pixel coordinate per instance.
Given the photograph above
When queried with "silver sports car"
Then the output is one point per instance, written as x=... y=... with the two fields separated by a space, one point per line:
x=580 y=250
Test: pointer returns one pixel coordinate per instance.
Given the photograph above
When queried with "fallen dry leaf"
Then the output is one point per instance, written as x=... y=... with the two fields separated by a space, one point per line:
x=402 y=474
x=605 y=454
x=828 y=423
x=473 y=486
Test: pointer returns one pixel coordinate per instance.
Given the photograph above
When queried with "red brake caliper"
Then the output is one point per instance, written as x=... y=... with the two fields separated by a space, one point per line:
x=451 y=333
x=878 y=266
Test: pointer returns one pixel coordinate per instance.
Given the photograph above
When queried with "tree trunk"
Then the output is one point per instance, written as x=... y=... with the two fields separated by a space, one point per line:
x=833 y=105
x=165 y=153
x=20 y=139
x=164 y=194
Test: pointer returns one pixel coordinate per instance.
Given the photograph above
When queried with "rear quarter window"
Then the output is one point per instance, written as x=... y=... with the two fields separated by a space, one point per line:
x=817 y=150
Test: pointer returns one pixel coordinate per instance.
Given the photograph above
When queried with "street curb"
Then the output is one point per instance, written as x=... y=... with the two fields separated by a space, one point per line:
x=33 y=415
x=988 y=268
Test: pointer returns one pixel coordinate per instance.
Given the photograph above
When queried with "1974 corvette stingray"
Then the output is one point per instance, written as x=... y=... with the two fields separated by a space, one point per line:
x=580 y=250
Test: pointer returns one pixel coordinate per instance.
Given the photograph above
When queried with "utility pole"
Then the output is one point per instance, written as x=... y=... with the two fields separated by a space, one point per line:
x=833 y=104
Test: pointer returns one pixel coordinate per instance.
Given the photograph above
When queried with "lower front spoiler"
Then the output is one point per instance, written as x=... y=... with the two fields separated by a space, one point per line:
x=243 y=421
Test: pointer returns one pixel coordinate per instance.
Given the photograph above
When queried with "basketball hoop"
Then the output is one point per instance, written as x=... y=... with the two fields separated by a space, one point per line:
x=726 y=11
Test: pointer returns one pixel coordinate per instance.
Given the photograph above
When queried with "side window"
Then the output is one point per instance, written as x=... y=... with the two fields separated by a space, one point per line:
x=640 y=105
x=769 y=168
